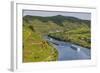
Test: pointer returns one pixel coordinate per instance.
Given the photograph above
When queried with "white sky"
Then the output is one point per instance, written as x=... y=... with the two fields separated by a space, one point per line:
x=81 y=15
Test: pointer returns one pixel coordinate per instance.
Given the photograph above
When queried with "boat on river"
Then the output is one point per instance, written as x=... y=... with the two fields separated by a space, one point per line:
x=75 y=48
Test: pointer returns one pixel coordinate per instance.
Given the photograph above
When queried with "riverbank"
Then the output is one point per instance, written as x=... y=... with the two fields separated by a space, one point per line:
x=35 y=49
x=78 y=37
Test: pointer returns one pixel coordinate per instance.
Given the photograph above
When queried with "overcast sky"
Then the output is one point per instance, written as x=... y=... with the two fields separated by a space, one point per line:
x=85 y=16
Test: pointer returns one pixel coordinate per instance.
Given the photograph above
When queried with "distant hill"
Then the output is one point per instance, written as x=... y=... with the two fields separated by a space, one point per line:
x=58 y=19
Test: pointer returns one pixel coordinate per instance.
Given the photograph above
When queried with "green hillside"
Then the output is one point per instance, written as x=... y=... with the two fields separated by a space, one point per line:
x=69 y=29
x=35 y=49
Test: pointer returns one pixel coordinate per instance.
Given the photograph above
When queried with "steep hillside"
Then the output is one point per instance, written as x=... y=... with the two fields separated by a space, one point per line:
x=35 y=49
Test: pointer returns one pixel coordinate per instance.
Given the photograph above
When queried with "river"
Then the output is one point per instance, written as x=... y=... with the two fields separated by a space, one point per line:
x=69 y=51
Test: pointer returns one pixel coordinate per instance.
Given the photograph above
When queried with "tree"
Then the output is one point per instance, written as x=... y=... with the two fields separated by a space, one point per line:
x=32 y=28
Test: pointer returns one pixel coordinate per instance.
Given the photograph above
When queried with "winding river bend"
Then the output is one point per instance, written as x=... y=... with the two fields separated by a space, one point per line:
x=69 y=51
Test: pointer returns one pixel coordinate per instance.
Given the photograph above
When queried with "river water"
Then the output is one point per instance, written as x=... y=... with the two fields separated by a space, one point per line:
x=69 y=51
